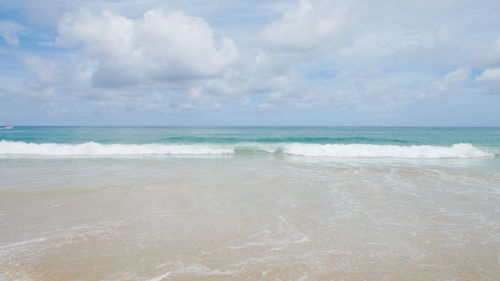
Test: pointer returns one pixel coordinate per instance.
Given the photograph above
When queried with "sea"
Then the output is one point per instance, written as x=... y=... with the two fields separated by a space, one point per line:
x=249 y=203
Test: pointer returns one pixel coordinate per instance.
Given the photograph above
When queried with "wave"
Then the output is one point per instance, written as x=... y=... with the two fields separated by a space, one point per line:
x=97 y=149
x=462 y=150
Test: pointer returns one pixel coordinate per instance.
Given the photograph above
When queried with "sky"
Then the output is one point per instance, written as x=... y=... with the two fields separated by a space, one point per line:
x=250 y=63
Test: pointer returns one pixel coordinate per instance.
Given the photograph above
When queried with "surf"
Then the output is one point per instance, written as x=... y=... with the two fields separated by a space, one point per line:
x=350 y=150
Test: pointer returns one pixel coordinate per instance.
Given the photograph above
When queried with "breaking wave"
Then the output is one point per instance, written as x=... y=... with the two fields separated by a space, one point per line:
x=461 y=150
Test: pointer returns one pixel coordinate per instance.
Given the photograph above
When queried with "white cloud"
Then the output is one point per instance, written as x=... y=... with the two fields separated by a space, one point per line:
x=161 y=46
x=43 y=95
x=490 y=79
x=10 y=32
x=47 y=72
x=193 y=99
x=369 y=88
x=454 y=79
x=313 y=54
x=145 y=102
x=307 y=26
x=384 y=53
x=489 y=75
x=374 y=88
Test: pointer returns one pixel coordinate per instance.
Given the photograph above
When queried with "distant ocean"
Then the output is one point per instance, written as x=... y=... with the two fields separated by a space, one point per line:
x=336 y=142
x=249 y=203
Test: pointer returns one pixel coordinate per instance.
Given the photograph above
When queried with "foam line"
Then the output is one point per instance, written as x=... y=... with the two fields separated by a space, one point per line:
x=462 y=150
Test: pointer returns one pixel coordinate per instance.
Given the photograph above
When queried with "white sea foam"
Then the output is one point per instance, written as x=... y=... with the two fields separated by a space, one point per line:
x=462 y=150
x=97 y=149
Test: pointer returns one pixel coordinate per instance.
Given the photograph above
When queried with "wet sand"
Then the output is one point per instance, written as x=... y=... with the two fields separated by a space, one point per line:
x=245 y=219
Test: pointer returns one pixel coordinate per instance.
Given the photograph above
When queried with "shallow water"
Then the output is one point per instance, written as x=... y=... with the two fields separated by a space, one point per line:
x=90 y=203
x=249 y=218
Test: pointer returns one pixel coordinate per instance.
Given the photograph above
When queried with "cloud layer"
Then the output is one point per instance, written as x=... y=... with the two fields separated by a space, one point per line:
x=306 y=55
x=160 y=46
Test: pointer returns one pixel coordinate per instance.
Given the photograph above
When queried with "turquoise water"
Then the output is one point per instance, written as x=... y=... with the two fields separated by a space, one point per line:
x=326 y=142
x=483 y=137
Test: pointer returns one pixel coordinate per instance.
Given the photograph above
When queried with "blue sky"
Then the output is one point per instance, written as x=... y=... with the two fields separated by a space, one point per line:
x=224 y=62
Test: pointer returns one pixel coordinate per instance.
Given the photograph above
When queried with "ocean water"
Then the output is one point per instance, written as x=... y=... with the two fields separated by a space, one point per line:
x=292 y=203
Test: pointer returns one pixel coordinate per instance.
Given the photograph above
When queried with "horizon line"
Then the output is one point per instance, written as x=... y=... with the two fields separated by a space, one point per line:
x=266 y=126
